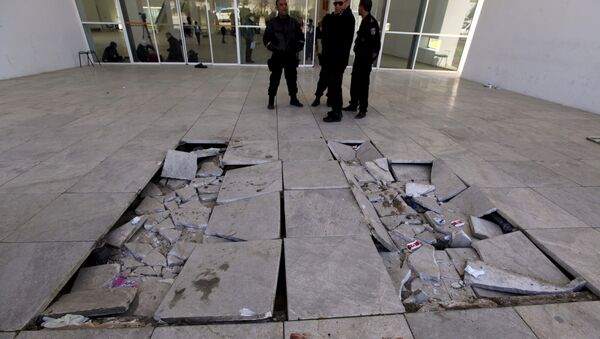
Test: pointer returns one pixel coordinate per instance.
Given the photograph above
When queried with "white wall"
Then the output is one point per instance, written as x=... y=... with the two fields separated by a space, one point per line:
x=548 y=49
x=38 y=36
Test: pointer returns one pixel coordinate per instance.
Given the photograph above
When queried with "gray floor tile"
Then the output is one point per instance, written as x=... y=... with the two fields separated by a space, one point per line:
x=391 y=326
x=311 y=174
x=266 y=331
x=582 y=202
x=570 y=320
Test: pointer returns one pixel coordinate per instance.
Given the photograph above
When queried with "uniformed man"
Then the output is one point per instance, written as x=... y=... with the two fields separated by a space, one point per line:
x=366 y=50
x=338 y=31
x=284 y=38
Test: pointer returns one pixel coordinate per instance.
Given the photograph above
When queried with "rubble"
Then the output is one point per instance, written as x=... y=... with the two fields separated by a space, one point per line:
x=483 y=229
x=380 y=170
x=150 y=205
x=95 y=277
x=473 y=202
x=342 y=152
x=447 y=184
x=210 y=168
x=423 y=263
x=192 y=214
x=428 y=203
x=180 y=165
x=120 y=235
x=417 y=189
x=93 y=303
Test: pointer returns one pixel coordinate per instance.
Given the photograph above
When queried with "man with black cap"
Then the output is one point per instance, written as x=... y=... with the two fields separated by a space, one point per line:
x=284 y=38
x=366 y=50
x=338 y=31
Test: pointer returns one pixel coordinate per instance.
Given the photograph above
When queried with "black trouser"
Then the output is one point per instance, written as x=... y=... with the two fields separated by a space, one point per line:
x=286 y=62
x=334 y=88
x=359 y=85
x=323 y=81
x=248 y=50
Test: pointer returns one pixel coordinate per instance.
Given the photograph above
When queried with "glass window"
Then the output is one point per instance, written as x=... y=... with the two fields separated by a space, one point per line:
x=140 y=29
x=397 y=50
x=168 y=30
x=403 y=15
x=97 y=10
x=222 y=19
x=100 y=38
x=195 y=30
x=449 y=17
x=439 y=53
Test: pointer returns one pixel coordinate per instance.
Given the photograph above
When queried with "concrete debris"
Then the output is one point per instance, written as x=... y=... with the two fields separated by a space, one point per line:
x=483 y=229
x=367 y=152
x=356 y=173
x=155 y=258
x=138 y=250
x=172 y=235
x=174 y=261
x=389 y=202
x=417 y=297
x=93 y=303
x=447 y=184
x=175 y=184
x=423 y=263
x=210 y=168
x=172 y=205
x=150 y=205
x=120 y=235
x=380 y=170
x=428 y=203
x=180 y=165
x=186 y=194
x=472 y=201
x=206 y=198
x=494 y=278
x=192 y=214
x=151 y=292
x=205 y=181
x=95 y=277
x=460 y=239
x=146 y=271
x=459 y=257
x=377 y=229
x=151 y=190
x=207 y=153
x=341 y=151
x=414 y=189
x=427 y=237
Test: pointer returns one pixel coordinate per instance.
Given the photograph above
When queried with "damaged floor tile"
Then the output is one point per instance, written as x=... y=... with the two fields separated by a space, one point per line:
x=570 y=320
x=447 y=184
x=303 y=150
x=151 y=292
x=191 y=214
x=116 y=333
x=89 y=303
x=342 y=152
x=483 y=229
x=95 y=277
x=253 y=152
x=264 y=330
x=411 y=172
x=377 y=228
x=180 y=165
x=203 y=290
x=472 y=201
x=313 y=175
x=380 y=170
x=391 y=326
x=325 y=279
x=247 y=182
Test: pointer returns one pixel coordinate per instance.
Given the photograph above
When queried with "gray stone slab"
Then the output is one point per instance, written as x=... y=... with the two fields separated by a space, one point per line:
x=344 y=133
x=120 y=235
x=378 y=230
x=391 y=326
x=320 y=213
x=514 y=252
x=576 y=250
x=356 y=174
x=95 y=277
x=402 y=150
x=17 y=208
x=23 y=266
x=342 y=152
x=250 y=219
x=483 y=229
x=451 y=280
x=531 y=173
x=74 y=217
x=211 y=131
x=447 y=184
x=337 y=277
x=304 y=150
x=247 y=182
x=411 y=172
x=367 y=152
x=393 y=264
x=528 y=209
x=414 y=189
x=424 y=264
x=389 y=202
x=380 y=170
x=581 y=202
x=251 y=152
x=150 y=205
x=180 y=165
x=477 y=323
x=237 y=331
x=428 y=203
x=90 y=303
x=225 y=282
x=210 y=167
x=459 y=257
x=569 y=320
x=472 y=201
x=309 y=174
x=7 y=335
x=186 y=194
x=151 y=292
x=475 y=171
x=191 y=214
x=577 y=171
x=112 y=333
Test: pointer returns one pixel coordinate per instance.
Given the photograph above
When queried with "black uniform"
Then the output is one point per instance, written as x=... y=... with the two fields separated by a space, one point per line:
x=324 y=73
x=284 y=38
x=338 y=31
x=368 y=42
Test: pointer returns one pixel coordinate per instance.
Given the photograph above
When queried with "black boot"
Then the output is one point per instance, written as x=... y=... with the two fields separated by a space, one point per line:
x=317 y=102
x=361 y=115
x=333 y=117
x=350 y=108
x=271 y=102
x=295 y=102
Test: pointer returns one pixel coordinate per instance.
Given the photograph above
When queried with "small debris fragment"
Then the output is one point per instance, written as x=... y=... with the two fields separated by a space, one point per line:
x=65 y=320
x=180 y=165
x=413 y=246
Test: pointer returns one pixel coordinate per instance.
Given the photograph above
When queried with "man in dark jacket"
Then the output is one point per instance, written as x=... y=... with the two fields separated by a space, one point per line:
x=175 y=52
x=338 y=31
x=110 y=53
x=284 y=38
x=366 y=50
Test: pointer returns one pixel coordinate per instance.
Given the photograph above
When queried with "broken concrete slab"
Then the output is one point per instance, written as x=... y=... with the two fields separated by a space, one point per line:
x=483 y=229
x=459 y=257
x=150 y=205
x=411 y=173
x=308 y=174
x=203 y=289
x=151 y=190
x=91 y=303
x=389 y=202
x=173 y=185
x=304 y=150
x=428 y=203
x=514 y=252
x=210 y=168
x=251 y=219
x=186 y=194
x=367 y=152
x=582 y=202
x=179 y=165
x=393 y=264
x=138 y=250
x=120 y=235
x=476 y=323
x=460 y=239
x=472 y=201
x=342 y=152
x=172 y=235
x=356 y=174
x=447 y=184
x=191 y=214
x=392 y=221
x=325 y=279
x=95 y=277
x=370 y=214
x=379 y=169
x=247 y=182
x=451 y=280
x=155 y=258
x=250 y=152
x=481 y=274
x=207 y=152
x=414 y=189
x=113 y=333
x=568 y=320
x=423 y=263
x=258 y=330
x=182 y=249
x=392 y=326
x=151 y=292
x=322 y=213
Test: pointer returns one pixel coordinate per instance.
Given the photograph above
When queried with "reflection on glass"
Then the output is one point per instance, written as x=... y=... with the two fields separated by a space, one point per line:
x=139 y=30
x=403 y=15
x=439 y=53
x=396 y=50
x=100 y=37
x=167 y=28
x=222 y=19
x=195 y=29
x=449 y=17
x=97 y=10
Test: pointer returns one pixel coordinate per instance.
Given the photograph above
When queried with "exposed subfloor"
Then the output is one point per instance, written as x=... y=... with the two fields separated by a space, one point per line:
x=77 y=146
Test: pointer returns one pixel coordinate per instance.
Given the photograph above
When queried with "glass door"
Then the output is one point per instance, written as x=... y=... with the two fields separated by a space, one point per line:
x=196 y=31
x=140 y=30
x=222 y=18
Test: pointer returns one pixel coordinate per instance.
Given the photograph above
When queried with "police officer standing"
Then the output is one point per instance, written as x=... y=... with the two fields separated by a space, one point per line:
x=338 y=31
x=284 y=38
x=366 y=50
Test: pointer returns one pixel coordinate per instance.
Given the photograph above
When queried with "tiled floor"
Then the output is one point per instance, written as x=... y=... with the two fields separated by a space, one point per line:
x=67 y=136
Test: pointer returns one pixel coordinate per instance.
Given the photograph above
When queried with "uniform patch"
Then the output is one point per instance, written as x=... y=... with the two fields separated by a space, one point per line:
x=373 y=31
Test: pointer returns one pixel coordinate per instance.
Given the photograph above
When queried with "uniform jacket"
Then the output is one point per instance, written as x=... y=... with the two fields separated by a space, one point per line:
x=368 y=39
x=283 y=35
x=337 y=34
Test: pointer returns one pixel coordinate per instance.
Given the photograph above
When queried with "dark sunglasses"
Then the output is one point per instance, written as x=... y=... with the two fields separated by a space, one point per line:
x=338 y=3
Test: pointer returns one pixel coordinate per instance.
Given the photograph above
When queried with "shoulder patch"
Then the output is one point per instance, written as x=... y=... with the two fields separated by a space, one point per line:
x=373 y=31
